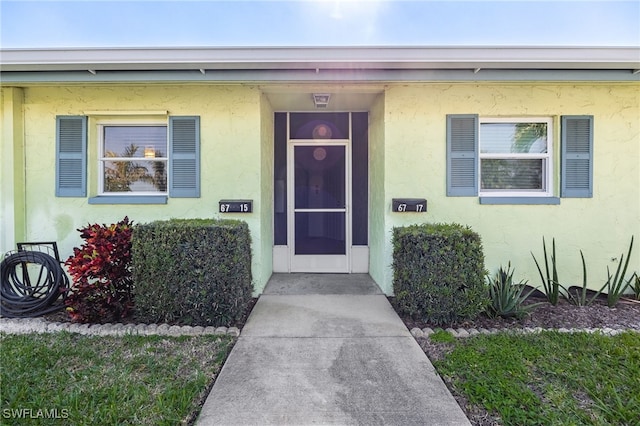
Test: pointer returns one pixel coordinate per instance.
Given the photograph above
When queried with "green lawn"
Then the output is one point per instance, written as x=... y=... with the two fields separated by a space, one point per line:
x=527 y=379
x=89 y=380
x=549 y=378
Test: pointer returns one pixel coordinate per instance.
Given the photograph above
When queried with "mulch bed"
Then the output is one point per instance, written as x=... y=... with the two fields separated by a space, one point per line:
x=625 y=315
x=62 y=316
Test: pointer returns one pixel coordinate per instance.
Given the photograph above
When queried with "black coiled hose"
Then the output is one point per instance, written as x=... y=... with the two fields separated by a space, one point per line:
x=30 y=283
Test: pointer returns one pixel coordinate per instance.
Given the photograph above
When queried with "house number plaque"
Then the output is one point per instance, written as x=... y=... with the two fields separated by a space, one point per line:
x=403 y=205
x=235 y=206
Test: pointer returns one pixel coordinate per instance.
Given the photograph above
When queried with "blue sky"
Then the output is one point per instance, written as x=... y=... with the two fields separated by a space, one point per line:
x=112 y=23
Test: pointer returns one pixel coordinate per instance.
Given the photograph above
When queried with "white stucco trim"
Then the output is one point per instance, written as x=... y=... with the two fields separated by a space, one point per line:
x=126 y=113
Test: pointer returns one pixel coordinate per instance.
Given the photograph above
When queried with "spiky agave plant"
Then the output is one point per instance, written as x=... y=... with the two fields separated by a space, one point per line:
x=506 y=297
x=550 y=282
x=616 y=285
x=580 y=298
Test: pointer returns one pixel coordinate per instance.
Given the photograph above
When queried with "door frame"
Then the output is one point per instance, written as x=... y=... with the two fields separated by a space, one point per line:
x=317 y=263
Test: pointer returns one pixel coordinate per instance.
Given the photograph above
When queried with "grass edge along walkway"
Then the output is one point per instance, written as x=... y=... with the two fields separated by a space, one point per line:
x=68 y=378
x=548 y=377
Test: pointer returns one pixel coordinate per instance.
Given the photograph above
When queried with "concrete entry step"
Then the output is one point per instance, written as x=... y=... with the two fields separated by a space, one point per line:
x=324 y=315
x=301 y=284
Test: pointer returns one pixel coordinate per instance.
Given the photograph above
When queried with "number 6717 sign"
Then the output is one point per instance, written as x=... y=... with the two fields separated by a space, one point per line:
x=404 y=205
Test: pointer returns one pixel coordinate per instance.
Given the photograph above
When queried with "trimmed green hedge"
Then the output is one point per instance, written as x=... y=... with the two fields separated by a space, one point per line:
x=192 y=271
x=438 y=272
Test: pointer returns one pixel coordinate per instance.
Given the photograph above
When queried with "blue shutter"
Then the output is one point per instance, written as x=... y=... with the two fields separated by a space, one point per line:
x=184 y=157
x=71 y=156
x=577 y=156
x=462 y=155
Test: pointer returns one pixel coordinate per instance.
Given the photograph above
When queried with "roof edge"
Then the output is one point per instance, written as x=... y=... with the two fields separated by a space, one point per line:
x=297 y=57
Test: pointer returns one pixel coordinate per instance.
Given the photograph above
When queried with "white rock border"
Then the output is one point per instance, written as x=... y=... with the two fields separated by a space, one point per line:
x=462 y=333
x=40 y=325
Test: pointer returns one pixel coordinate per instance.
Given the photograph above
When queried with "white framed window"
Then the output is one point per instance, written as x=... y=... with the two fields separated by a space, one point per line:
x=139 y=160
x=133 y=157
x=516 y=156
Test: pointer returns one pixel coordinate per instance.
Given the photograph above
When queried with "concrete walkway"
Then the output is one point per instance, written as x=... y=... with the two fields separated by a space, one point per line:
x=327 y=349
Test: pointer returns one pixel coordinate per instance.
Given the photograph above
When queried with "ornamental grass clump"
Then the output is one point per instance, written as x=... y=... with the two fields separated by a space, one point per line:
x=101 y=274
x=438 y=272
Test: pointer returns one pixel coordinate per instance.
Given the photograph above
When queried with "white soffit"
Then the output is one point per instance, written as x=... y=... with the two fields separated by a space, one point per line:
x=295 y=58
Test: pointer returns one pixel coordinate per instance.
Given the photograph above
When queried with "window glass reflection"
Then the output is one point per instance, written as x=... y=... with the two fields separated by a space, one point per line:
x=320 y=177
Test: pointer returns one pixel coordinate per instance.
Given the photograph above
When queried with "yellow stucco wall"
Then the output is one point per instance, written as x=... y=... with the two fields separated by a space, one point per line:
x=407 y=158
x=602 y=226
x=266 y=191
x=232 y=138
x=12 y=168
x=378 y=235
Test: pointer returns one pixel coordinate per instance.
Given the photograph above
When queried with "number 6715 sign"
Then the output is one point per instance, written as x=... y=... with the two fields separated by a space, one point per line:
x=235 y=206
